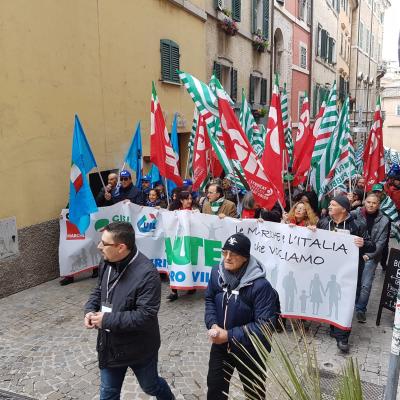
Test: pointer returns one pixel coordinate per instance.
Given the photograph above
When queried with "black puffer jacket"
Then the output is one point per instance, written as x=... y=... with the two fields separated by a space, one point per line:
x=130 y=333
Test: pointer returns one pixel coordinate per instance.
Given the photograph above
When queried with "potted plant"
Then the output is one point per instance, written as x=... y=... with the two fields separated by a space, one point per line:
x=228 y=24
x=259 y=112
x=260 y=43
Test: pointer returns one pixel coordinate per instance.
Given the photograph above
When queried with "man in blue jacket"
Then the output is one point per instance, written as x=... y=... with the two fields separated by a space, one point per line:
x=238 y=298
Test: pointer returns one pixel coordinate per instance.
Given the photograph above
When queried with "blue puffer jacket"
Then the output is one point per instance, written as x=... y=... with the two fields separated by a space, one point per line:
x=253 y=302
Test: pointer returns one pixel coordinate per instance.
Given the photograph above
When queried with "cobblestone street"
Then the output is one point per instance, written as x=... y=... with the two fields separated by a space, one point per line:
x=45 y=352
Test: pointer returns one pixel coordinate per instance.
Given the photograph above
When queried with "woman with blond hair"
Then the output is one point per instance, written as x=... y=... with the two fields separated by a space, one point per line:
x=301 y=214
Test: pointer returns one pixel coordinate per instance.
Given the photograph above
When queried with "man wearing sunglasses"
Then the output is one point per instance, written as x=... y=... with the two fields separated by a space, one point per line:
x=127 y=191
x=124 y=307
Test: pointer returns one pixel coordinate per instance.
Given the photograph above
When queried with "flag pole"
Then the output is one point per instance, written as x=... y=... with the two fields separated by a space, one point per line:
x=166 y=190
x=287 y=170
x=101 y=178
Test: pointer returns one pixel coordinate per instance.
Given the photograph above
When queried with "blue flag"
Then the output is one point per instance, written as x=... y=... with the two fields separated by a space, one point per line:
x=175 y=145
x=134 y=156
x=155 y=175
x=83 y=151
x=81 y=200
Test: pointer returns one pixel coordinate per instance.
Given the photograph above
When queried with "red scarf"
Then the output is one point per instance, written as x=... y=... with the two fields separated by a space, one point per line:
x=248 y=213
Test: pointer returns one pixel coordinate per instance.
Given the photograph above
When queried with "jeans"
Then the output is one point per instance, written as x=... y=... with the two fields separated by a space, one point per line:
x=220 y=370
x=366 y=284
x=146 y=374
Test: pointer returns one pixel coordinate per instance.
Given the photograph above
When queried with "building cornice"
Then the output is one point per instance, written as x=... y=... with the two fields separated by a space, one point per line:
x=191 y=8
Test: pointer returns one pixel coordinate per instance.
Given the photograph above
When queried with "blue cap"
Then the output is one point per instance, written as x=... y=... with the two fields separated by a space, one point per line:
x=146 y=178
x=187 y=182
x=125 y=174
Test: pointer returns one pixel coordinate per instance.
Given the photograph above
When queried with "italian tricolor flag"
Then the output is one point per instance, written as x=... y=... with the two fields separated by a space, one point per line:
x=76 y=177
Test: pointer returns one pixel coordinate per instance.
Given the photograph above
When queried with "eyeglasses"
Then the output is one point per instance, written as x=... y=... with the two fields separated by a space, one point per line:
x=227 y=253
x=124 y=178
x=104 y=244
x=211 y=192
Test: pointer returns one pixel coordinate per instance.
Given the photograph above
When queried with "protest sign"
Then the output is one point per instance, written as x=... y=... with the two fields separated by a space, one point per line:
x=315 y=273
x=78 y=252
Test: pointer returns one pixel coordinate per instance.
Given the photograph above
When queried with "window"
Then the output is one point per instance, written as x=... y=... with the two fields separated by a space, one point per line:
x=301 y=9
x=260 y=13
x=302 y=96
x=324 y=44
x=234 y=84
x=263 y=95
x=367 y=42
x=398 y=110
x=309 y=12
x=236 y=10
x=257 y=89
x=169 y=60
x=227 y=75
x=303 y=57
x=361 y=36
x=331 y=51
x=319 y=40
x=235 y=7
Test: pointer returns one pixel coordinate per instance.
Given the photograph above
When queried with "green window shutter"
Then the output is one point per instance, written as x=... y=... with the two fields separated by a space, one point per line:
x=263 y=97
x=217 y=70
x=165 y=60
x=254 y=16
x=251 y=89
x=234 y=84
x=218 y=4
x=169 y=60
x=236 y=10
x=315 y=98
x=321 y=96
x=265 y=25
x=330 y=50
x=324 y=44
x=174 y=62
x=341 y=88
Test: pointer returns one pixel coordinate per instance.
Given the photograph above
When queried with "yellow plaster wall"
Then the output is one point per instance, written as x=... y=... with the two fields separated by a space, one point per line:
x=96 y=58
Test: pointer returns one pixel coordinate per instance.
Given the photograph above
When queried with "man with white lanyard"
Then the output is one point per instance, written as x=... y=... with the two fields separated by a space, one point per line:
x=123 y=307
x=340 y=220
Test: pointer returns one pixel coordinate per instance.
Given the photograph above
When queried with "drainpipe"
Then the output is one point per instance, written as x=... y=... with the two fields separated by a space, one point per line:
x=358 y=52
x=311 y=52
x=369 y=63
x=271 y=62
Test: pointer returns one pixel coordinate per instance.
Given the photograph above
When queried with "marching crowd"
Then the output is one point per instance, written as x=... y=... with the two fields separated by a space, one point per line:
x=125 y=303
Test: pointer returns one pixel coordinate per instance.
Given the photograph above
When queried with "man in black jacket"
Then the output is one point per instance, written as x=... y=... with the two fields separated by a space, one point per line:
x=127 y=191
x=104 y=197
x=340 y=220
x=124 y=307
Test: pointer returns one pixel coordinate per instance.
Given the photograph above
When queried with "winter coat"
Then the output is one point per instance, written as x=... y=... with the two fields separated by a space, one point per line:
x=227 y=207
x=131 y=193
x=130 y=333
x=379 y=233
x=253 y=302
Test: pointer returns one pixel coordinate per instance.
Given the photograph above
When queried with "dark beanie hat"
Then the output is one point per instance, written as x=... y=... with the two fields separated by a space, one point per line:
x=238 y=243
x=343 y=201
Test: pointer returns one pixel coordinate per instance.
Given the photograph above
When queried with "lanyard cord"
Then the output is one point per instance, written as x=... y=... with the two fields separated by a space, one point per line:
x=109 y=290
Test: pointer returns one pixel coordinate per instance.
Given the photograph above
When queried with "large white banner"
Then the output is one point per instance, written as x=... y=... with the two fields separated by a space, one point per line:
x=78 y=253
x=315 y=273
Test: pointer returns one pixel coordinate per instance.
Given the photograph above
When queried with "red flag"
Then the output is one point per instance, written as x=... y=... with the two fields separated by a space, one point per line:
x=238 y=147
x=272 y=159
x=161 y=152
x=374 y=161
x=201 y=154
x=303 y=146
